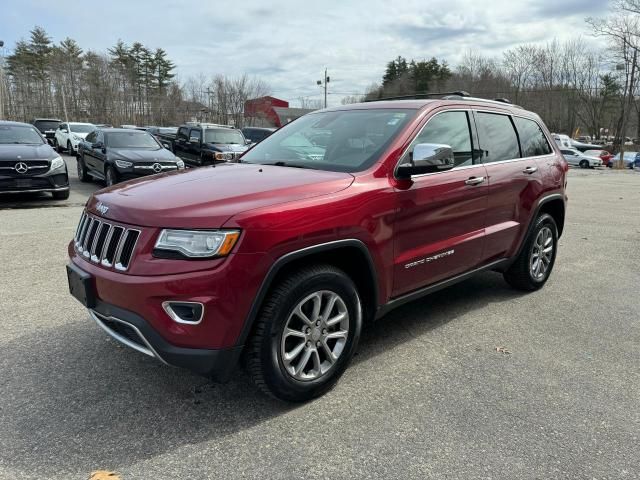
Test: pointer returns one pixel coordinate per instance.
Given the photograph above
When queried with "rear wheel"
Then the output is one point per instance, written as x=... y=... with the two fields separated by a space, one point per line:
x=110 y=176
x=532 y=267
x=306 y=334
x=57 y=147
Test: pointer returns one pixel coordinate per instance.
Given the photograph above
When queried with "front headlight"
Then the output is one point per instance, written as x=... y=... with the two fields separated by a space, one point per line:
x=75 y=137
x=57 y=162
x=224 y=156
x=123 y=164
x=180 y=164
x=198 y=243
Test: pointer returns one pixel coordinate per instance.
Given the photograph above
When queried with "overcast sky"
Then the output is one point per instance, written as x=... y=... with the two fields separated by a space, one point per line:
x=289 y=43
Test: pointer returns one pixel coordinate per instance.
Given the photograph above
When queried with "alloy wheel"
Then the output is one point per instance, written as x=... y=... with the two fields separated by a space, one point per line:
x=315 y=335
x=541 y=254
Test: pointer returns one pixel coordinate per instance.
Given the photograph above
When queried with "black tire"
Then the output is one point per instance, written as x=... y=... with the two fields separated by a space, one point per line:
x=60 y=195
x=264 y=358
x=519 y=275
x=69 y=148
x=83 y=176
x=584 y=164
x=110 y=176
x=56 y=146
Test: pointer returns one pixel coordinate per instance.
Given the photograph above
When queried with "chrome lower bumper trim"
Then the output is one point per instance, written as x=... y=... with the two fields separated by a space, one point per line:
x=37 y=190
x=147 y=349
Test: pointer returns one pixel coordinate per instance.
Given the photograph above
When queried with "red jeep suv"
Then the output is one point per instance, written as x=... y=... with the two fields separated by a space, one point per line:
x=328 y=223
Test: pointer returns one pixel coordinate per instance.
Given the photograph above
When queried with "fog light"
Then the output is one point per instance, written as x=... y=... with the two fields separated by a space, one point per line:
x=189 y=313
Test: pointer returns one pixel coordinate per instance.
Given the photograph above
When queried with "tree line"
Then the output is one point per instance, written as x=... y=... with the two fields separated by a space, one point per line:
x=128 y=84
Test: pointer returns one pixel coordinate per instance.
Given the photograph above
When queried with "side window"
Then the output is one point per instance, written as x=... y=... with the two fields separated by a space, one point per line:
x=532 y=140
x=182 y=133
x=566 y=152
x=449 y=128
x=195 y=134
x=99 y=137
x=498 y=138
x=63 y=126
x=91 y=138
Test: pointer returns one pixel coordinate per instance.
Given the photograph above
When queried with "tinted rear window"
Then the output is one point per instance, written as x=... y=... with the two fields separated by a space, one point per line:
x=532 y=140
x=498 y=138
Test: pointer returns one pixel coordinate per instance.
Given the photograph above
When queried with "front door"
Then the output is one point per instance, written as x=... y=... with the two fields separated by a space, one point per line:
x=441 y=216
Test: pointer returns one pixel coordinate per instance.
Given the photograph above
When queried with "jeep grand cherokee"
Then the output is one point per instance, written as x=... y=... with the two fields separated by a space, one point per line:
x=283 y=257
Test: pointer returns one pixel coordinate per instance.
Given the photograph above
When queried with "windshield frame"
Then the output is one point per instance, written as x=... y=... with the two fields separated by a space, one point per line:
x=406 y=115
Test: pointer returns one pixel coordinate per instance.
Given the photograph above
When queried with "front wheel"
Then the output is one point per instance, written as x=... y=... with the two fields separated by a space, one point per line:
x=584 y=164
x=306 y=334
x=532 y=267
x=83 y=176
x=111 y=177
x=57 y=146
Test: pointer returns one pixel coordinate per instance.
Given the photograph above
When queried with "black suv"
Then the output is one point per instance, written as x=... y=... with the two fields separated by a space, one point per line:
x=117 y=154
x=47 y=127
x=28 y=164
x=207 y=143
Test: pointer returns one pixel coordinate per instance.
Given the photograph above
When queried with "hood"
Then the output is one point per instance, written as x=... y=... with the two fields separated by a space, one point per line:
x=207 y=197
x=26 y=152
x=229 y=147
x=138 y=154
x=79 y=134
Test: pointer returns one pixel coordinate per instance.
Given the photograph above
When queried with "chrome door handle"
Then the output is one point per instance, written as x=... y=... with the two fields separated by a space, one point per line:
x=530 y=170
x=474 y=180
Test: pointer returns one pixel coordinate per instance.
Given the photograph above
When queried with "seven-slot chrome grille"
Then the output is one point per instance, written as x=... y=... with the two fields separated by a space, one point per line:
x=105 y=243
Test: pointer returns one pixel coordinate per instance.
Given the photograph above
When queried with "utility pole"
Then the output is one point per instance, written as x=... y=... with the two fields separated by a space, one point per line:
x=324 y=83
x=627 y=104
x=209 y=93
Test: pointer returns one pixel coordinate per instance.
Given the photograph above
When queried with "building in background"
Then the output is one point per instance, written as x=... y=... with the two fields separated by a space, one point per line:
x=270 y=112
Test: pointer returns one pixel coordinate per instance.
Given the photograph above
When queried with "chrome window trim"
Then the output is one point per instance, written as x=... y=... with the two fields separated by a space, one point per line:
x=517 y=133
x=404 y=152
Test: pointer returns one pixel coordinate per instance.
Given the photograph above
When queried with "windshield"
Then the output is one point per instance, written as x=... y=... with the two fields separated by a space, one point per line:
x=168 y=130
x=131 y=140
x=81 y=128
x=44 y=125
x=223 y=135
x=18 y=134
x=344 y=141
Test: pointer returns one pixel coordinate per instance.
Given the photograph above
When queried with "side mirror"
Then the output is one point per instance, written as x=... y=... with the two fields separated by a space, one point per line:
x=65 y=130
x=194 y=141
x=427 y=158
x=97 y=145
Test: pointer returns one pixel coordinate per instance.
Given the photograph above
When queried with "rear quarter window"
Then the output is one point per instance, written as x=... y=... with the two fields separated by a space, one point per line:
x=532 y=140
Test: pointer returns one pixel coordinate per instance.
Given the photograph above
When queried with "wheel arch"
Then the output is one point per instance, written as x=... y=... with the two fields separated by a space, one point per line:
x=555 y=206
x=350 y=255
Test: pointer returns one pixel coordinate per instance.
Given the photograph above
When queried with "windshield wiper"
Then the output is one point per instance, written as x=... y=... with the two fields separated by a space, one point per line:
x=285 y=164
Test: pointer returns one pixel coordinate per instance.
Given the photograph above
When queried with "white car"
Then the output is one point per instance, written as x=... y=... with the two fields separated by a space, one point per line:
x=579 y=159
x=69 y=135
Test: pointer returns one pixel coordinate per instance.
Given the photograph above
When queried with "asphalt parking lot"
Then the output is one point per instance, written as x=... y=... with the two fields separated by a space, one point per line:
x=476 y=381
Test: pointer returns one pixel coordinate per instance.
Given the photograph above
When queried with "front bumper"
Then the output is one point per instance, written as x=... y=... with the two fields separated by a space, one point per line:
x=133 y=331
x=47 y=182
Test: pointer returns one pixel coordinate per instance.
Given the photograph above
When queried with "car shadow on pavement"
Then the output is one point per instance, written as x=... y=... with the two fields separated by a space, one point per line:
x=74 y=400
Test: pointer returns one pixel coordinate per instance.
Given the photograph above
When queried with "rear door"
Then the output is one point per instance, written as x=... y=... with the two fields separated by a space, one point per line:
x=515 y=182
x=439 y=228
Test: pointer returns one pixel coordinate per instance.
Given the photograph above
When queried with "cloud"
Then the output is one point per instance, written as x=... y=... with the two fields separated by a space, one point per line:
x=288 y=43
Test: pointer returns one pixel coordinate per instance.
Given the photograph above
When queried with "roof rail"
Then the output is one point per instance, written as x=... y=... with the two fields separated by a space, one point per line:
x=459 y=95
x=205 y=124
x=418 y=96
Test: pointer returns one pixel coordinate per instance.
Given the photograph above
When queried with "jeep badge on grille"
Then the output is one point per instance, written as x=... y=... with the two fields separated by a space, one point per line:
x=102 y=208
